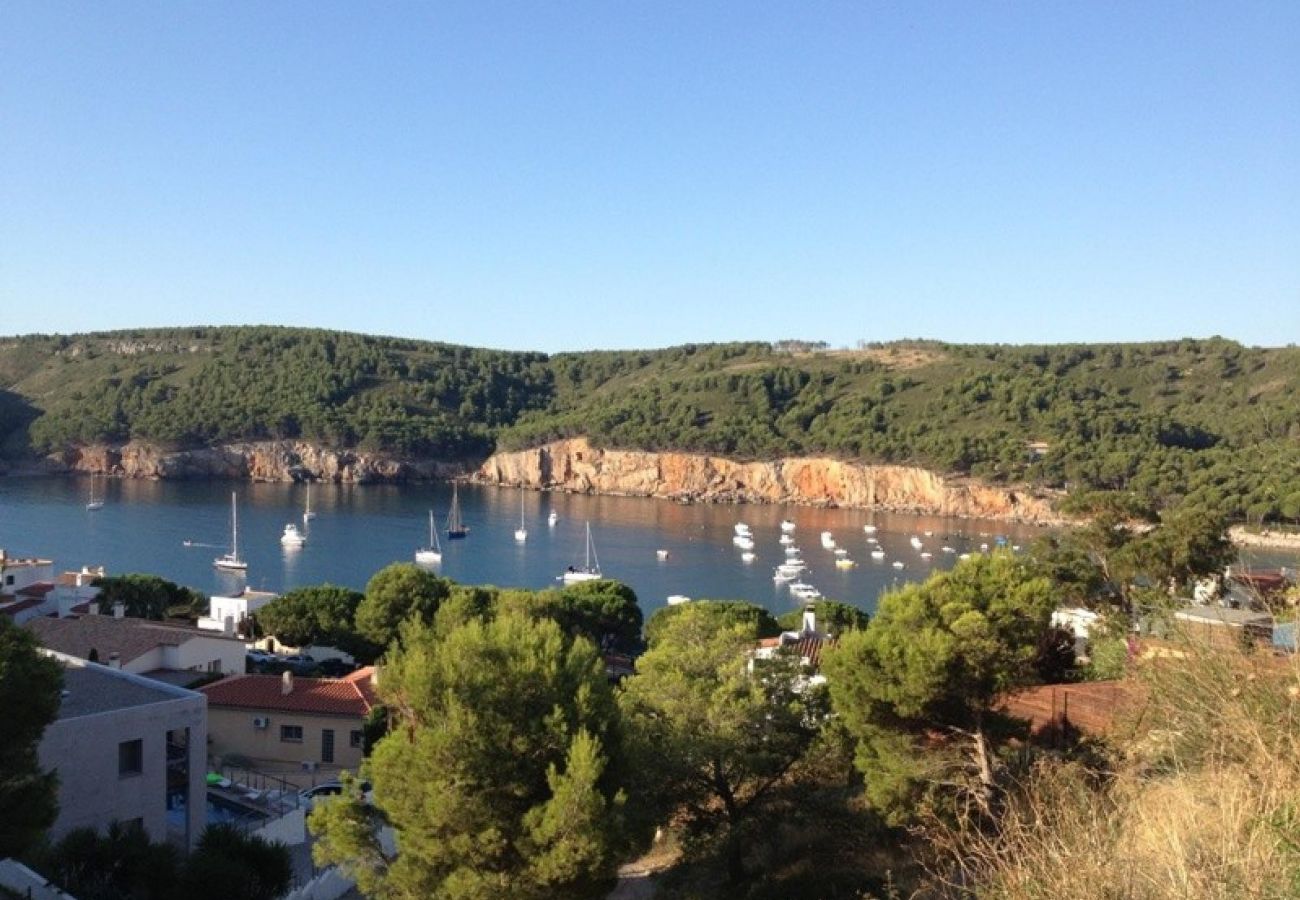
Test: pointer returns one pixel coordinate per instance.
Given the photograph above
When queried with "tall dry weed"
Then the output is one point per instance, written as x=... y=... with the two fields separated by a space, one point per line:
x=1198 y=797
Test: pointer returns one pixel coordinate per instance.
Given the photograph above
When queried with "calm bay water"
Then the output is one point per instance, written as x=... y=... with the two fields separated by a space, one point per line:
x=361 y=528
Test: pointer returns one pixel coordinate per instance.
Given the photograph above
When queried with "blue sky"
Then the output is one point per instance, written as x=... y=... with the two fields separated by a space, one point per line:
x=569 y=175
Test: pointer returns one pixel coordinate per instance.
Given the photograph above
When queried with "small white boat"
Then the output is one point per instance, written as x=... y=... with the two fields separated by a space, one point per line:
x=844 y=563
x=1015 y=548
x=678 y=599
x=432 y=554
x=877 y=554
x=747 y=556
x=929 y=534
x=779 y=576
x=898 y=564
x=925 y=554
x=590 y=570
x=964 y=556
x=840 y=551
x=786 y=539
x=872 y=541
x=230 y=562
x=791 y=568
x=552 y=518
x=869 y=529
x=661 y=554
x=916 y=542
x=804 y=591
x=828 y=540
x=787 y=526
x=947 y=549
x=292 y=537
x=743 y=542
x=742 y=529
x=792 y=551
x=984 y=548
x=307 y=514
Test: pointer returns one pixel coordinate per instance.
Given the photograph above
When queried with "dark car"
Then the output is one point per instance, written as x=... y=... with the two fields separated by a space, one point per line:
x=335 y=668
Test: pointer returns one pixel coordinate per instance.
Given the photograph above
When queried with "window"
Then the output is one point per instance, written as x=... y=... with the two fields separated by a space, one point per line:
x=215 y=666
x=327 y=745
x=291 y=734
x=130 y=758
x=355 y=740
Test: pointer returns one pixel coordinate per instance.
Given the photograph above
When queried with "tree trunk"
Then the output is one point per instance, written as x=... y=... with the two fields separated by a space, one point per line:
x=984 y=765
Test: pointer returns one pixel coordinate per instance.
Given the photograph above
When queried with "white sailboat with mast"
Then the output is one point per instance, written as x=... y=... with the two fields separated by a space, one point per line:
x=432 y=554
x=456 y=528
x=94 y=502
x=231 y=562
x=521 y=533
x=590 y=570
x=307 y=514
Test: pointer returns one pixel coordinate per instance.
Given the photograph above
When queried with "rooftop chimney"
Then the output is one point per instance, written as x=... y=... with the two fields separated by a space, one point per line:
x=119 y=610
x=115 y=660
x=286 y=683
x=810 y=618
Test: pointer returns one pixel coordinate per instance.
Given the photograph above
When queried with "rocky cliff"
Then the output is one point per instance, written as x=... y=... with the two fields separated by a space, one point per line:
x=255 y=461
x=574 y=465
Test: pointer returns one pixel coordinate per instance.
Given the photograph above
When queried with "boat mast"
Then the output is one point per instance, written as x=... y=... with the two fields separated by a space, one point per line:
x=234 y=527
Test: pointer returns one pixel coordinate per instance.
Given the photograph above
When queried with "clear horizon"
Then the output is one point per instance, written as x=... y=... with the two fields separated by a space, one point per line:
x=592 y=177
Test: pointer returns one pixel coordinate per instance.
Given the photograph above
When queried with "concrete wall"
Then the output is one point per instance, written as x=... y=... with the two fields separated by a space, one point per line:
x=232 y=732
x=84 y=750
x=200 y=651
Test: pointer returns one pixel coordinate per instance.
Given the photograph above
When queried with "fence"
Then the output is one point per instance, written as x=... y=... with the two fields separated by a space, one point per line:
x=1053 y=710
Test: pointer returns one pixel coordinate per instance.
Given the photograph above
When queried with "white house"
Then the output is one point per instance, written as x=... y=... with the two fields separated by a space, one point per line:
x=173 y=653
x=225 y=613
x=28 y=588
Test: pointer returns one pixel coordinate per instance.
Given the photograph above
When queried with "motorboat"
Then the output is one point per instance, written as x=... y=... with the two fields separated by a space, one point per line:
x=292 y=537
x=786 y=539
x=877 y=554
x=898 y=564
x=869 y=529
x=828 y=540
x=840 y=551
x=925 y=554
x=747 y=556
x=744 y=542
x=552 y=518
x=916 y=542
x=742 y=529
x=661 y=554
x=844 y=562
x=787 y=526
x=678 y=599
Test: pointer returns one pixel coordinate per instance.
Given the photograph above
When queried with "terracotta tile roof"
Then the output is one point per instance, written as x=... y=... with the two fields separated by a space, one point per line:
x=13 y=609
x=39 y=589
x=350 y=696
x=129 y=638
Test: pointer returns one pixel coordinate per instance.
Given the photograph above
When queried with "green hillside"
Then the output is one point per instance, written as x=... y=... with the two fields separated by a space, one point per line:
x=1206 y=420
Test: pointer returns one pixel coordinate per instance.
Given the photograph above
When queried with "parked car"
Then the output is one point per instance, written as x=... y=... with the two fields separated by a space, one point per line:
x=335 y=668
x=299 y=663
x=308 y=797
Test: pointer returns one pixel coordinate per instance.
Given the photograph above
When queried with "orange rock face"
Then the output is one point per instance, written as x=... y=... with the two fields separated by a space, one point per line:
x=574 y=465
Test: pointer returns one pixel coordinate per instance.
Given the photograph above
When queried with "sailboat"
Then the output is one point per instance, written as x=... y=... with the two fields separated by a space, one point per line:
x=231 y=561
x=590 y=571
x=521 y=533
x=307 y=514
x=456 y=528
x=95 y=502
x=432 y=554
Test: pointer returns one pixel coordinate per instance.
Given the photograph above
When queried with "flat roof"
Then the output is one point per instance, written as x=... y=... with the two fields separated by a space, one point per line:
x=90 y=689
x=1223 y=615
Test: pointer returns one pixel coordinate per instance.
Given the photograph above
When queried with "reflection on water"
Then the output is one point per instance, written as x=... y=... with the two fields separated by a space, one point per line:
x=361 y=528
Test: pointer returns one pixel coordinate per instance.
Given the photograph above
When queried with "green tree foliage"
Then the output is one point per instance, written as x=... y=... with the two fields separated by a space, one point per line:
x=723 y=614
x=832 y=617
x=323 y=614
x=710 y=740
x=228 y=864
x=29 y=695
x=119 y=864
x=606 y=612
x=928 y=667
x=150 y=597
x=393 y=595
x=1208 y=423
x=501 y=775
x=123 y=864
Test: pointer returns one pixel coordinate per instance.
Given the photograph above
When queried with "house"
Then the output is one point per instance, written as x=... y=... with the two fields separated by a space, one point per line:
x=127 y=748
x=28 y=588
x=227 y=613
x=806 y=644
x=291 y=726
x=175 y=653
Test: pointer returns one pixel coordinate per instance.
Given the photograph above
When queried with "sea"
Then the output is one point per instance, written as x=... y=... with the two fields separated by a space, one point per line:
x=176 y=529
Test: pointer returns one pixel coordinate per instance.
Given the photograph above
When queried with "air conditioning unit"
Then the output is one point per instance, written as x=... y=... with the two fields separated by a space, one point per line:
x=261 y=721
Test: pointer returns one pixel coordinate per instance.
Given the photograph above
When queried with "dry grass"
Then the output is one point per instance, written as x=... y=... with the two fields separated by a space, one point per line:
x=1201 y=799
